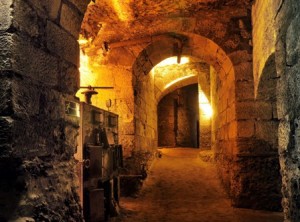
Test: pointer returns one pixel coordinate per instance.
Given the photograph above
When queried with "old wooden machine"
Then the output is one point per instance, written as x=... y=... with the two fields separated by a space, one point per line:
x=99 y=158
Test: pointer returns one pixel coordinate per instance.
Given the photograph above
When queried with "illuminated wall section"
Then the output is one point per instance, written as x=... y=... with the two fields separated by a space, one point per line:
x=205 y=115
x=94 y=71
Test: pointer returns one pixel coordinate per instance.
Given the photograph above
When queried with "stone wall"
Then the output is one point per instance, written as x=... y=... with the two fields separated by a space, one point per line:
x=39 y=72
x=177 y=118
x=116 y=74
x=287 y=22
x=166 y=121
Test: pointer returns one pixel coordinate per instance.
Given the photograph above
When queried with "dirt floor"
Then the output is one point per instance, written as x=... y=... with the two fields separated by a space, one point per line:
x=182 y=187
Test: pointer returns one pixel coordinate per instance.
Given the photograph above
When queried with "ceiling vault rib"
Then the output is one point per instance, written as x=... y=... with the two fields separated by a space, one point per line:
x=178 y=39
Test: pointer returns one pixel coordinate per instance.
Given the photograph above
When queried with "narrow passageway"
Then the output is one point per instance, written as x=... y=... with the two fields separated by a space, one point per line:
x=182 y=187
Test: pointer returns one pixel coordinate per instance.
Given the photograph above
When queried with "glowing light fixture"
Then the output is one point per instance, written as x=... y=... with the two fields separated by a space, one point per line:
x=178 y=80
x=205 y=106
x=173 y=61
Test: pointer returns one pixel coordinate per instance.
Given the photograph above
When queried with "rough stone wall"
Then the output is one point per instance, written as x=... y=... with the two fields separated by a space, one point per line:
x=166 y=121
x=287 y=22
x=39 y=72
x=177 y=118
x=145 y=113
x=188 y=115
x=258 y=144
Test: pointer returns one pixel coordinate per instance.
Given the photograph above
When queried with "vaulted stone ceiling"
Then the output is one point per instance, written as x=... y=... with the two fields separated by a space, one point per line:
x=119 y=20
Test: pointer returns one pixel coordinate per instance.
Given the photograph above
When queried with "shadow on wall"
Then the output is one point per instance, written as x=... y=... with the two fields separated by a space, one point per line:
x=266 y=131
x=266 y=125
x=12 y=185
x=268 y=81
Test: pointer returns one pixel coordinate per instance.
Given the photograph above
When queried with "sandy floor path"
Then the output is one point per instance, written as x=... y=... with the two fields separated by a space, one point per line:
x=181 y=187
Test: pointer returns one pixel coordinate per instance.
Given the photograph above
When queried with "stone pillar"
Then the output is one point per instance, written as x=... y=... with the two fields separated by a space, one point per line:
x=38 y=74
x=287 y=66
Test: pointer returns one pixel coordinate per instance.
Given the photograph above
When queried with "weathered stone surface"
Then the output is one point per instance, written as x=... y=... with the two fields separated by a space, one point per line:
x=268 y=131
x=245 y=128
x=243 y=71
x=238 y=57
x=62 y=43
x=47 y=8
x=292 y=42
x=264 y=110
x=256 y=178
x=5 y=132
x=70 y=20
x=246 y=110
x=25 y=19
x=6 y=14
x=244 y=90
x=69 y=78
x=5 y=96
x=6 y=43
x=80 y=4
x=41 y=66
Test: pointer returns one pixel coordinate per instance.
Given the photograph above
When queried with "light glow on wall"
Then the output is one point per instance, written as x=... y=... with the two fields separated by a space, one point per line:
x=205 y=107
x=120 y=7
x=86 y=75
x=173 y=61
x=178 y=80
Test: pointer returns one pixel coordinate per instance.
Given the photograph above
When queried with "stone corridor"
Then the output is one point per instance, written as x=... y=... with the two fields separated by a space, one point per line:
x=184 y=186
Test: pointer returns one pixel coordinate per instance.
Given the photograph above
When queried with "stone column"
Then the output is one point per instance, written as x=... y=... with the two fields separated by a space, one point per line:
x=39 y=58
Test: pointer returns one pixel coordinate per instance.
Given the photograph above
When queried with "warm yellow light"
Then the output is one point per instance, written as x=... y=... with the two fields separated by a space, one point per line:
x=84 y=64
x=206 y=110
x=178 y=80
x=205 y=107
x=87 y=76
x=121 y=8
x=173 y=61
x=82 y=41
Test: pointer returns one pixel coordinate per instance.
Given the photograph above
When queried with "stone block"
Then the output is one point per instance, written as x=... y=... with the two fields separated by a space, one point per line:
x=268 y=131
x=47 y=8
x=292 y=42
x=6 y=44
x=244 y=90
x=6 y=14
x=70 y=20
x=62 y=43
x=80 y=4
x=53 y=8
x=246 y=110
x=256 y=180
x=244 y=71
x=25 y=19
x=6 y=124
x=264 y=110
x=245 y=129
x=25 y=99
x=41 y=66
x=69 y=79
x=241 y=56
x=6 y=108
